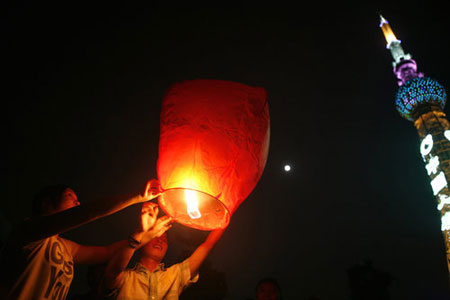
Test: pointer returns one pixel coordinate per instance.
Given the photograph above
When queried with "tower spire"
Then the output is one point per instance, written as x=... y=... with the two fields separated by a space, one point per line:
x=405 y=68
x=388 y=33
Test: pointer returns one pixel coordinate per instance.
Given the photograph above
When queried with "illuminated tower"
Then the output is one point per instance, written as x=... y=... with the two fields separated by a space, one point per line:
x=421 y=100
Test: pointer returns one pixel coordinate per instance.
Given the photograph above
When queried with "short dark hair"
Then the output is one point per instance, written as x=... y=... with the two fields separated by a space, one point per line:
x=50 y=194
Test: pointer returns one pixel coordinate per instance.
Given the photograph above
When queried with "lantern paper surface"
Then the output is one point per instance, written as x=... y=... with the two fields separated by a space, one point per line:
x=213 y=147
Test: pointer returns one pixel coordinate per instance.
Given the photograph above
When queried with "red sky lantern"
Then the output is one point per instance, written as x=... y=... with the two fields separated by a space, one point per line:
x=213 y=147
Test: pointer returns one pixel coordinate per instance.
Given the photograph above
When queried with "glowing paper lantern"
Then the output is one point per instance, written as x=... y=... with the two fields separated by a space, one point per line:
x=213 y=147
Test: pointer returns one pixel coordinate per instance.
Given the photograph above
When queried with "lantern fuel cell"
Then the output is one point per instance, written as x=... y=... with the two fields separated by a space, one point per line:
x=192 y=204
x=214 y=139
x=176 y=203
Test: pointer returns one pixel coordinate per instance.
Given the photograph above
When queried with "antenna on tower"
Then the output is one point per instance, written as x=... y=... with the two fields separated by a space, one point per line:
x=405 y=68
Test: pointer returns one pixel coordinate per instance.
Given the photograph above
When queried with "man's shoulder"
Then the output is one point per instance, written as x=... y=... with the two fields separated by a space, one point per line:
x=70 y=246
x=138 y=268
x=181 y=263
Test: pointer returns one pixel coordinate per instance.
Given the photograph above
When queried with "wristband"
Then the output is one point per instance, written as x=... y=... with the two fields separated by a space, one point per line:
x=133 y=243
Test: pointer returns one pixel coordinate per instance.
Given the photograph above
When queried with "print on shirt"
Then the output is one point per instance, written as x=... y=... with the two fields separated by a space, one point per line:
x=61 y=272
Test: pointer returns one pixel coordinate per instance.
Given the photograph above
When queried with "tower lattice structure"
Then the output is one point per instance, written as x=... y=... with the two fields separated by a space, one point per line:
x=421 y=100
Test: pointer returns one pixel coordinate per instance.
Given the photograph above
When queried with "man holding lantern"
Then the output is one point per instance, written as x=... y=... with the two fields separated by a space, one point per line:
x=38 y=264
x=149 y=279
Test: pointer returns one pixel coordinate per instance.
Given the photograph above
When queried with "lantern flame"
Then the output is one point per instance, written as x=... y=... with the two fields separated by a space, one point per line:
x=192 y=204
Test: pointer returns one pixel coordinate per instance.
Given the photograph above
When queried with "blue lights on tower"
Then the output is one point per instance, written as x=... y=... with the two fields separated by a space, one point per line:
x=417 y=92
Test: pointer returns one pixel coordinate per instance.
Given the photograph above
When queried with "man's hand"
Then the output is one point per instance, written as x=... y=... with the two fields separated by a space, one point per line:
x=152 y=190
x=150 y=226
x=161 y=225
x=149 y=212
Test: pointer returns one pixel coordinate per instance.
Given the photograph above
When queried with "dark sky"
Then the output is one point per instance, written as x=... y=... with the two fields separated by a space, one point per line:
x=84 y=86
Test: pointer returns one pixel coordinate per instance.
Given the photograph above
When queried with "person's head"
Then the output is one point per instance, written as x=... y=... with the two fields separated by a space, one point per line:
x=53 y=199
x=155 y=249
x=268 y=289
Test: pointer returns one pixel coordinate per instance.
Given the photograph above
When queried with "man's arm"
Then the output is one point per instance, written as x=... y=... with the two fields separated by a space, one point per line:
x=200 y=254
x=92 y=255
x=44 y=226
x=117 y=265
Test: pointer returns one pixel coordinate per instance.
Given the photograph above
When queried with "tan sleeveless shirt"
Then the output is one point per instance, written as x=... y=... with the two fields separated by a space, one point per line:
x=47 y=272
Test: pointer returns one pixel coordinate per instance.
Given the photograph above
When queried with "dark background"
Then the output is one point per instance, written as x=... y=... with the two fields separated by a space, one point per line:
x=83 y=87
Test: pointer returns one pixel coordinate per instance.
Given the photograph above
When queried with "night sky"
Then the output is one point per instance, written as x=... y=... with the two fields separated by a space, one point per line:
x=84 y=86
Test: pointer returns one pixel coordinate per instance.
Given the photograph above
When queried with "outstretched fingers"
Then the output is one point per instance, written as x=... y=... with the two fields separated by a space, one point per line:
x=162 y=225
x=152 y=189
x=149 y=212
